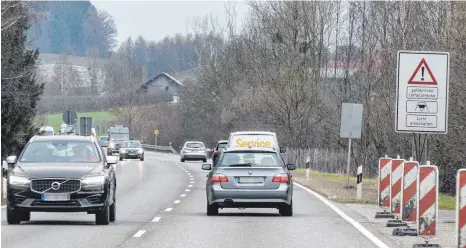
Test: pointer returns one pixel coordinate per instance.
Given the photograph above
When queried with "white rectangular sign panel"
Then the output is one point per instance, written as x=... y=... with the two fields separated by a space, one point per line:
x=351 y=120
x=422 y=92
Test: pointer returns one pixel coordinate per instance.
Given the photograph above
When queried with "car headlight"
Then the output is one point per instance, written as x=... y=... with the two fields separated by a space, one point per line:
x=122 y=150
x=111 y=145
x=93 y=181
x=18 y=181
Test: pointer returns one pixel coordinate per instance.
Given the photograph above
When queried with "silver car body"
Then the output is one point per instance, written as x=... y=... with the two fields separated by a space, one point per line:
x=193 y=150
x=263 y=193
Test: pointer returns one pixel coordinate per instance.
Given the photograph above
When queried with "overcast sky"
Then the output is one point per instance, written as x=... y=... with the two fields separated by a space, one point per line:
x=156 y=19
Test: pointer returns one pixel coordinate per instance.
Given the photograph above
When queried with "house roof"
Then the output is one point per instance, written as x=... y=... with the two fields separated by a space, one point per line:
x=166 y=75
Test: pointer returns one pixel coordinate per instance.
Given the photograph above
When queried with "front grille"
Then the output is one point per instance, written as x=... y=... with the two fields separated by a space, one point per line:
x=55 y=203
x=41 y=185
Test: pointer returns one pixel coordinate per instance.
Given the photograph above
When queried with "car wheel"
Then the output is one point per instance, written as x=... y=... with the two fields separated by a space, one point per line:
x=103 y=216
x=182 y=160
x=142 y=158
x=286 y=210
x=13 y=217
x=204 y=160
x=212 y=209
x=121 y=158
x=113 y=212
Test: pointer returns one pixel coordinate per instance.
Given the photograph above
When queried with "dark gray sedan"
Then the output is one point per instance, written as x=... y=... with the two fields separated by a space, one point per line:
x=250 y=178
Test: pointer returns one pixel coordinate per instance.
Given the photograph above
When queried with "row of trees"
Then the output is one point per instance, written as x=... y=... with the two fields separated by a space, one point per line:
x=20 y=91
x=295 y=63
x=72 y=27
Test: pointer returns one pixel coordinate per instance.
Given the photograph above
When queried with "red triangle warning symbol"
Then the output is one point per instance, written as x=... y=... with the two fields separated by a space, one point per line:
x=422 y=75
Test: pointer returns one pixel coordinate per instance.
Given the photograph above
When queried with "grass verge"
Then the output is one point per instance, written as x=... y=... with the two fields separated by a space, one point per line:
x=331 y=186
x=55 y=120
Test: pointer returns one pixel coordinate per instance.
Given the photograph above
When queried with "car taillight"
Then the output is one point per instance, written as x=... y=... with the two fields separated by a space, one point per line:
x=186 y=150
x=219 y=178
x=282 y=178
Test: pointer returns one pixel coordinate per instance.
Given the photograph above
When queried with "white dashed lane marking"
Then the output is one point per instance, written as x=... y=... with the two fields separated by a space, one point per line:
x=139 y=233
x=190 y=186
x=183 y=195
x=187 y=190
x=177 y=201
x=156 y=219
x=168 y=209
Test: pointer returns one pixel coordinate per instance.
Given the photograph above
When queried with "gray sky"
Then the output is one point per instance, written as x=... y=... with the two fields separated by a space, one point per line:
x=156 y=19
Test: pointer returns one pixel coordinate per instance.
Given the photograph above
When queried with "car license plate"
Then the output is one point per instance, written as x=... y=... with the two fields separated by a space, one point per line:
x=55 y=196
x=250 y=180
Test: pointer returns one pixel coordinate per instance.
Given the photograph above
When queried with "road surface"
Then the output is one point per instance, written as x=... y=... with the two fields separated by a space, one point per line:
x=161 y=203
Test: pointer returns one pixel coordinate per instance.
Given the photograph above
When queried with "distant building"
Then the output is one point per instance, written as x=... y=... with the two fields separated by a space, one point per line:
x=164 y=83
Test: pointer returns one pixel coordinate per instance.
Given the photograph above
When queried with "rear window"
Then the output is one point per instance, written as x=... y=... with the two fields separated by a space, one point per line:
x=256 y=159
x=222 y=145
x=194 y=145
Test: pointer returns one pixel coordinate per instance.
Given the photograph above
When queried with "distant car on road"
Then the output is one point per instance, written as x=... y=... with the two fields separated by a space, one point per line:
x=131 y=149
x=193 y=150
x=64 y=173
x=221 y=145
x=250 y=178
x=103 y=141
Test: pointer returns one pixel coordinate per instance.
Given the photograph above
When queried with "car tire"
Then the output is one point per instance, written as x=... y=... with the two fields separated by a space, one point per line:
x=13 y=217
x=212 y=209
x=103 y=217
x=112 y=217
x=204 y=160
x=121 y=158
x=182 y=160
x=286 y=210
x=142 y=158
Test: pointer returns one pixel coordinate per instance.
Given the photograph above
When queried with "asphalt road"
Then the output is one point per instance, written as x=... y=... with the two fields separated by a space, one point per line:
x=161 y=203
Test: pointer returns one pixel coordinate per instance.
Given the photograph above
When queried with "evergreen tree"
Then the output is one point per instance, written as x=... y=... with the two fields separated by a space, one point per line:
x=20 y=91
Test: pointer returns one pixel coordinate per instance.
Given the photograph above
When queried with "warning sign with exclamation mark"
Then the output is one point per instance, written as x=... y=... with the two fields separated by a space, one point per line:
x=423 y=75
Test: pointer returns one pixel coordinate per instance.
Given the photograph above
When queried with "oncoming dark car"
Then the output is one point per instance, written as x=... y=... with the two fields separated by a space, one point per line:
x=131 y=149
x=61 y=174
x=249 y=178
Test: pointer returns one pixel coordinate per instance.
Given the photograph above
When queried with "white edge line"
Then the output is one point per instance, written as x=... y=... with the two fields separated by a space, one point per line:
x=156 y=219
x=356 y=224
x=139 y=233
x=168 y=209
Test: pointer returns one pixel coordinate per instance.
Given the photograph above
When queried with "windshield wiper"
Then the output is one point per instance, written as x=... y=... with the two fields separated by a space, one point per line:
x=240 y=165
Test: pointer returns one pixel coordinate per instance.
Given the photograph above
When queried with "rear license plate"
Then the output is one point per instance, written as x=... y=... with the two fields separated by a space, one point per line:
x=250 y=180
x=55 y=196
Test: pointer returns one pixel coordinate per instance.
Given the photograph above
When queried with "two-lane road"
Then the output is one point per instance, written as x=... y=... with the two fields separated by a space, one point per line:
x=161 y=202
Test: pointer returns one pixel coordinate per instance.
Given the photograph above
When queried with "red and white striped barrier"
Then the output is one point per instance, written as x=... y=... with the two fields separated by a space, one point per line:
x=461 y=208
x=384 y=179
x=396 y=191
x=409 y=201
x=428 y=200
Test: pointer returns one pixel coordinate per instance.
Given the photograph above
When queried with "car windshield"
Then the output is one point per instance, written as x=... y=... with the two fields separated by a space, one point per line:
x=120 y=136
x=194 y=145
x=131 y=144
x=103 y=138
x=255 y=159
x=222 y=145
x=60 y=151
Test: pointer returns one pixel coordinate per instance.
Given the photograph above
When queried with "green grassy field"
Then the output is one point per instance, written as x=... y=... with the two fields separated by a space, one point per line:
x=55 y=120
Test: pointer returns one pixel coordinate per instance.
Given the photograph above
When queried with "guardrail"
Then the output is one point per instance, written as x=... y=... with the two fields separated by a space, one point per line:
x=168 y=149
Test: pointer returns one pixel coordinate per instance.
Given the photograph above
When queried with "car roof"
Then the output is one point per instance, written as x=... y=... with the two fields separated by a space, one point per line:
x=62 y=138
x=252 y=149
x=254 y=132
x=222 y=141
x=194 y=142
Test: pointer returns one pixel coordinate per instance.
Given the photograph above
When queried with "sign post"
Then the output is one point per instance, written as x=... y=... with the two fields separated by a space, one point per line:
x=308 y=160
x=461 y=208
x=396 y=192
x=350 y=127
x=427 y=205
x=156 y=132
x=383 y=186
x=409 y=198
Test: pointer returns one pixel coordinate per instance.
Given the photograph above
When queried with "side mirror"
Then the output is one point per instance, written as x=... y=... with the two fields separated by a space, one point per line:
x=112 y=160
x=180 y=147
x=11 y=160
x=206 y=167
x=291 y=166
x=282 y=149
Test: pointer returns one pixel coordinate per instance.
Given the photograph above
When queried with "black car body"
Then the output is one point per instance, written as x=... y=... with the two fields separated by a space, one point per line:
x=131 y=149
x=113 y=146
x=57 y=183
